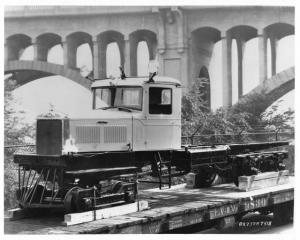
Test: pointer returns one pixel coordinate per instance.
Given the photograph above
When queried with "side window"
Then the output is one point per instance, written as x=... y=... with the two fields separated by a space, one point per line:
x=160 y=100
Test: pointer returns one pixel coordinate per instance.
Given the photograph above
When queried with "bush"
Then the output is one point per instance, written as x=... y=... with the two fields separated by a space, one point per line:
x=10 y=182
x=16 y=131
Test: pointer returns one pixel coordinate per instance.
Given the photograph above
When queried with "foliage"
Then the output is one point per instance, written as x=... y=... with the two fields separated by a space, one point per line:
x=252 y=104
x=196 y=120
x=274 y=121
x=269 y=119
x=16 y=131
x=228 y=125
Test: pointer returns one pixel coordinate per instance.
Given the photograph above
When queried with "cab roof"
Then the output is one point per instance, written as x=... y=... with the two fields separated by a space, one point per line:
x=135 y=81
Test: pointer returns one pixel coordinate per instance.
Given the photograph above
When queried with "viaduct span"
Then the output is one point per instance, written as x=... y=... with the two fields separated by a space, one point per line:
x=180 y=38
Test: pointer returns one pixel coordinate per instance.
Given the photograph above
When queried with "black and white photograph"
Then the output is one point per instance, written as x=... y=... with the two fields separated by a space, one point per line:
x=149 y=119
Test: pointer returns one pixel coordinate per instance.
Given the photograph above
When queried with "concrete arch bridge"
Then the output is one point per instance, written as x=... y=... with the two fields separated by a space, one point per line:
x=181 y=38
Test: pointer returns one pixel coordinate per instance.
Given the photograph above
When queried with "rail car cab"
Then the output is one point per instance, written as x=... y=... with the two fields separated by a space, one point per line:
x=131 y=114
x=149 y=110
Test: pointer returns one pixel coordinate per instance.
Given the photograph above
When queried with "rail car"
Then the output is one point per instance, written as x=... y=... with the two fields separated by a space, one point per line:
x=92 y=161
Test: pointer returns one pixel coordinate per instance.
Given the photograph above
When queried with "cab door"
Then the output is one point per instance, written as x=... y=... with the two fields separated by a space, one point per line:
x=163 y=118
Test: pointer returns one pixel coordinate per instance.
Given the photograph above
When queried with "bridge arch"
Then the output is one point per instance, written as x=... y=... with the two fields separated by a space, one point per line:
x=144 y=35
x=203 y=41
x=100 y=47
x=280 y=30
x=268 y=92
x=176 y=28
x=44 y=42
x=244 y=32
x=134 y=39
x=71 y=44
x=207 y=33
x=240 y=35
x=15 y=44
x=27 y=71
x=274 y=33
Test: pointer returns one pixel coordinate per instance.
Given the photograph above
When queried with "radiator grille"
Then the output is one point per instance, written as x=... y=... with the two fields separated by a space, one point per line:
x=115 y=134
x=88 y=134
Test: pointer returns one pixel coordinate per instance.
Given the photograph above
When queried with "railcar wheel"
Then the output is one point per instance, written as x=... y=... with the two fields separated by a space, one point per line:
x=117 y=187
x=207 y=176
x=283 y=213
x=69 y=203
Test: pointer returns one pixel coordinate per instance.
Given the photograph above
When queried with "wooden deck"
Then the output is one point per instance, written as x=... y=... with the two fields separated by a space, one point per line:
x=169 y=209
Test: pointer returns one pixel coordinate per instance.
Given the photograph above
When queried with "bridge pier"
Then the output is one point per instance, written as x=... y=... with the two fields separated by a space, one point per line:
x=69 y=53
x=96 y=62
x=161 y=38
x=240 y=52
x=226 y=68
x=102 y=59
x=131 y=52
x=273 y=45
x=12 y=50
x=127 y=57
x=40 y=51
x=262 y=57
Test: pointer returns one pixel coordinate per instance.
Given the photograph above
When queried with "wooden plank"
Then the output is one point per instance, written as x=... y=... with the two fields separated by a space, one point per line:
x=152 y=227
x=185 y=220
x=195 y=206
x=264 y=183
x=17 y=213
x=108 y=225
x=224 y=210
x=265 y=175
x=76 y=218
x=263 y=180
x=168 y=222
x=171 y=209
x=132 y=229
x=281 y=197
x=21 y=213
x=127 y=224
x=159 y=213
x=255 y=202
x=29 y=224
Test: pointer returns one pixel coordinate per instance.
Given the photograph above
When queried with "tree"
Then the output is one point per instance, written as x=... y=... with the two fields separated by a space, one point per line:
x=259 y=116
x=226 y=125
x=16 y=131
x=197 y=119
x=274 y=121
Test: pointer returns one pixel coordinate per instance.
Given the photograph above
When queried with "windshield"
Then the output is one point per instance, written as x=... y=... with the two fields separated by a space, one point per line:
x=118 y=97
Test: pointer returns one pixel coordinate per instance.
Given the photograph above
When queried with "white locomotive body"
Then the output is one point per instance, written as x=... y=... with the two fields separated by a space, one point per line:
x=132 y=114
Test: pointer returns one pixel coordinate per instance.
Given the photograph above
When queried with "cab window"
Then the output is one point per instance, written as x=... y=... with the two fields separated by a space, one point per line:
x=114 y=97
x=160 y=100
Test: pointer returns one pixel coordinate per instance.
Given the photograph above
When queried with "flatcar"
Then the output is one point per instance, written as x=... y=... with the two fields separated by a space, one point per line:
x=81 y=163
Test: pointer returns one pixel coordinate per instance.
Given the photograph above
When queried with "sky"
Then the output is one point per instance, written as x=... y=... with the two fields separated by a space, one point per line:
x=69 y=97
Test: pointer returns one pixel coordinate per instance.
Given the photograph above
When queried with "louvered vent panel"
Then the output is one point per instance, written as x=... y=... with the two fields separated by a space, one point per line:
x=115 y=134
x=88 y=134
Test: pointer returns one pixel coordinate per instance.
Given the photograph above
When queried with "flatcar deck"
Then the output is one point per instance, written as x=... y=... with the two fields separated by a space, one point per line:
x=169 y=209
